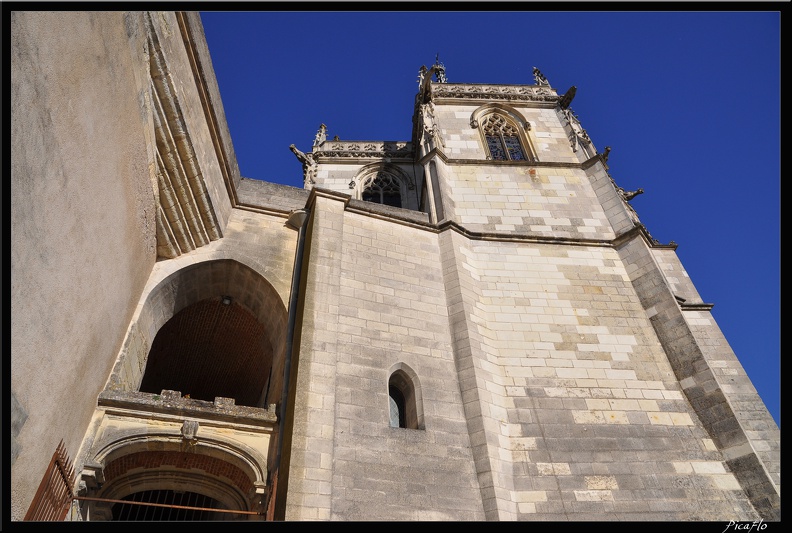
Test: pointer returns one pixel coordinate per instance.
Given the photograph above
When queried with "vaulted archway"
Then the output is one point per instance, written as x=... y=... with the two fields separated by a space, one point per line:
x=212 y=348
x=189 y=414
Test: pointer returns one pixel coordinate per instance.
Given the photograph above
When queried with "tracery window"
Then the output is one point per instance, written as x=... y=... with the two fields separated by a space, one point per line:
x=383 y=188
x=503 y=139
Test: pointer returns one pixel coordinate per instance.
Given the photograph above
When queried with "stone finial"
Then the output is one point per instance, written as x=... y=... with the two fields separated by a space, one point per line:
x=321 y=135
x=577 y=134
x=439 y=70
x=430 y=127
x=540 y=78
x=421 y=75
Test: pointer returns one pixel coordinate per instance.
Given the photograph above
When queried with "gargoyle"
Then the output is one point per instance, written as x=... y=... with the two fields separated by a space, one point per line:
x=629 y=195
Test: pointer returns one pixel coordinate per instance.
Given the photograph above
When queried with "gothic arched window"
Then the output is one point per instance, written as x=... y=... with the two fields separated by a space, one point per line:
x=382 y=188
x=503 y=139
x=406 y=409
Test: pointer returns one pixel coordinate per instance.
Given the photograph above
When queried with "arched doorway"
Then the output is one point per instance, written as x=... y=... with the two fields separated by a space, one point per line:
x=189 y=414
x=175 y=484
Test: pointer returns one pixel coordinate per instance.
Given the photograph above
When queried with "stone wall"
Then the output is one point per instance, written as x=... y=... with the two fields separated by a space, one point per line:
x=82 y=220
x=388 y=309
x=581 y=415
x=87 y=201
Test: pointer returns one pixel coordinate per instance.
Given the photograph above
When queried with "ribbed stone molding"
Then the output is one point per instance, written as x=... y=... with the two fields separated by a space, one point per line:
x=185 y=217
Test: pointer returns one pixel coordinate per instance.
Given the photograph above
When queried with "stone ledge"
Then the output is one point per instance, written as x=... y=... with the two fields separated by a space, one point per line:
x=171 y=402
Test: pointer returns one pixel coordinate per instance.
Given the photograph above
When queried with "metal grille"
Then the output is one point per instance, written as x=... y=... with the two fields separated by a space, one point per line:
x=167 y=505
x=163 y=505
x=273 y=492
x=54 y=495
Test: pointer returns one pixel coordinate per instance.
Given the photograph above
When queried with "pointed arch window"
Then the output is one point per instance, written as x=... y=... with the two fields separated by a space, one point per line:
x=405 y=399
x=383 y=188
x=503 y=139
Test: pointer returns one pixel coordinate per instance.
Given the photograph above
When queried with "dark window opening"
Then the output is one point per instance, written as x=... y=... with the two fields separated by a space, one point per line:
x=397 y=407
x=383 y=189
x=391 y=199
x=404 y=401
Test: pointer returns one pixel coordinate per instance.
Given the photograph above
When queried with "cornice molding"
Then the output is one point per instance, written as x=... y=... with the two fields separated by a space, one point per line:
x=696 y=306
x=489 y=92
x=364 y=150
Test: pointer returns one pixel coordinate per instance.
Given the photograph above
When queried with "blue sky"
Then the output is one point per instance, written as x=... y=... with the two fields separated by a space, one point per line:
x=688 y=101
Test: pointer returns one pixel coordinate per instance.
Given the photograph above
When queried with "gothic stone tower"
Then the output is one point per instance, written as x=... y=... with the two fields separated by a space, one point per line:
x=543 y=356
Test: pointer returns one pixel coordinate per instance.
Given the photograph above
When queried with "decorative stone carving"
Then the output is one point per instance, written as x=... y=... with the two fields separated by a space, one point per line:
x=431 y=131
x=540 y=78
x=92 y=477
x=629 y=195
x=364 y=149
x=387 y=171
x=626 y=196
x=189 y=430
x=308 y=164
x=321 y=135
x=382 y=182
x=567 y=98
x=517 y=93
x=439 y=70
x=577 y=135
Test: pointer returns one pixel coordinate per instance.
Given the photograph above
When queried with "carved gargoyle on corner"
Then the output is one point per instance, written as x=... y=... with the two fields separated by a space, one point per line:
x=629 y=195
x=308 y=163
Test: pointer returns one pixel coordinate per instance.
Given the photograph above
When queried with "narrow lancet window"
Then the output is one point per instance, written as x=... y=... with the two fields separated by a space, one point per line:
x=404 y=400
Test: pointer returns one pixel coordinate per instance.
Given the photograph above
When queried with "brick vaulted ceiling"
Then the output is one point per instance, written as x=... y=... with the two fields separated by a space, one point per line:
x=211 y=349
